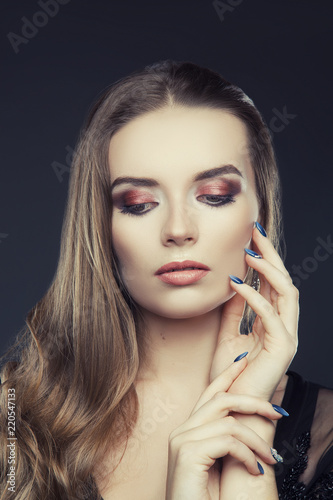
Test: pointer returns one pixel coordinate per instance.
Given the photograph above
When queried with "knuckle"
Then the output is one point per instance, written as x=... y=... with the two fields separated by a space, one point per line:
x=185 y=451
x=296 y=292
x=230 y=421
x=232 y=443
x=288 y=279
x=219 y=395
x=270 y=310
x=292 y=289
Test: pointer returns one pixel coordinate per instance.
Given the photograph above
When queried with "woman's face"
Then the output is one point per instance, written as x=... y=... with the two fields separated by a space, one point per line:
x=184 y=197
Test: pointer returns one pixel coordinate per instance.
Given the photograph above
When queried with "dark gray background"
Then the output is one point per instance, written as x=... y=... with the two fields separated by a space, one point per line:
x=278 y=52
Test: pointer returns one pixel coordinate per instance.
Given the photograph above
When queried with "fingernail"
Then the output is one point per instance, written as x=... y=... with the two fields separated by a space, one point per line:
x=241 y=356
x=235 y=279
x=276 y=456
x=252 y=253
x=260 y=467
x=261 y=229
x=281 y=410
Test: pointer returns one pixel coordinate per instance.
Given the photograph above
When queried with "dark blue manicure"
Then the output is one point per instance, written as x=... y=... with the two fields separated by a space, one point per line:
x=235 y=279
x=281 y=410
x=261 y=229
x=260 y=467
x=252 y=253
x=241 y=356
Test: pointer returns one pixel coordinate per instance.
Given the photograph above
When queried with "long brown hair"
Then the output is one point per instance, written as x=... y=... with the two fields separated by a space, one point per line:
x=74 y=365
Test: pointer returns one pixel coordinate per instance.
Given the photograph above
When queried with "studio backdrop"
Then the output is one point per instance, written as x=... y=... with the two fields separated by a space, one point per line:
x=59 y=55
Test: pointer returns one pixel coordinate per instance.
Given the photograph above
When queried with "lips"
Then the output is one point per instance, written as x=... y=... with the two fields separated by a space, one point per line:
x=181 y=266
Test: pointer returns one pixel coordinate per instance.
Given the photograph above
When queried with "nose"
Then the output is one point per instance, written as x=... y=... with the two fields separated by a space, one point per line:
x=180 y=227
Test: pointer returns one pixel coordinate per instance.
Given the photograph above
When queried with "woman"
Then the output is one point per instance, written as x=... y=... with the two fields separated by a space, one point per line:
x=132 y=379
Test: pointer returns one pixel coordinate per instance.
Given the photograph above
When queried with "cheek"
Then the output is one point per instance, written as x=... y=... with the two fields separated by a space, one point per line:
x=240 y=235
x=229 y=236
x=233 y=230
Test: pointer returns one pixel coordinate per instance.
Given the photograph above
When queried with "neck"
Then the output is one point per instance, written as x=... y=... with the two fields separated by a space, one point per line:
x=180 y=350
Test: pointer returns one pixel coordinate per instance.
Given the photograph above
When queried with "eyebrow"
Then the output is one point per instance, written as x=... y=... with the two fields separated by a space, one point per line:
x=206 y=174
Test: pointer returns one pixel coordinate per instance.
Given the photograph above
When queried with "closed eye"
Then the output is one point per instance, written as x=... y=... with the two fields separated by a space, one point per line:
x=139 y=208
x=215 y=200
x=212 y=200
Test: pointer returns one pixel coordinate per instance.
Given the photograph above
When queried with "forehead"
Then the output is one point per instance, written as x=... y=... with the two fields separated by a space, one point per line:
x=179 y=141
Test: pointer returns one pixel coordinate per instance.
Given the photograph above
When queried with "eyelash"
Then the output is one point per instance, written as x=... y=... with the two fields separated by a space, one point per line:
x=216 y=201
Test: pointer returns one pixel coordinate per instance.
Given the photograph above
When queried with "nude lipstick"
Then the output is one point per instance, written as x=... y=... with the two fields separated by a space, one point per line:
x=182 y=273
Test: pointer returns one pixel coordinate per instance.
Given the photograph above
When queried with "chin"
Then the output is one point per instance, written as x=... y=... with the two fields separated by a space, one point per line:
x=186 y=309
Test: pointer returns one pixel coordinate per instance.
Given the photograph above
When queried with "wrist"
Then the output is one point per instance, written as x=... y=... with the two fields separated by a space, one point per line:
x=236 y=482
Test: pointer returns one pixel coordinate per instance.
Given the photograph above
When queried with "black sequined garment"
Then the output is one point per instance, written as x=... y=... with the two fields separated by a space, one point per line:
x=305 y=440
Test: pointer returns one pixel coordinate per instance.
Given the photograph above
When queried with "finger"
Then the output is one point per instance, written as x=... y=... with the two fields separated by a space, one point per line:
x=228 y=426
x=287 y=299
x=265 y=289
x=223 y=403
x=270 y=319
x=207 y=451
x=221 y=383
x=276 y=331
x=265 y=247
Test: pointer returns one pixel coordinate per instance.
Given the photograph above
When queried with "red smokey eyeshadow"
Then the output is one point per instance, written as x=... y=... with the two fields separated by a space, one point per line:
x=220 y=187
x=133 y=197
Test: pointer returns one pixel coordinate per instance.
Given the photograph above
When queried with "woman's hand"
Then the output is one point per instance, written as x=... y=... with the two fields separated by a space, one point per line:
x=212 y=432
x=272 y=343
